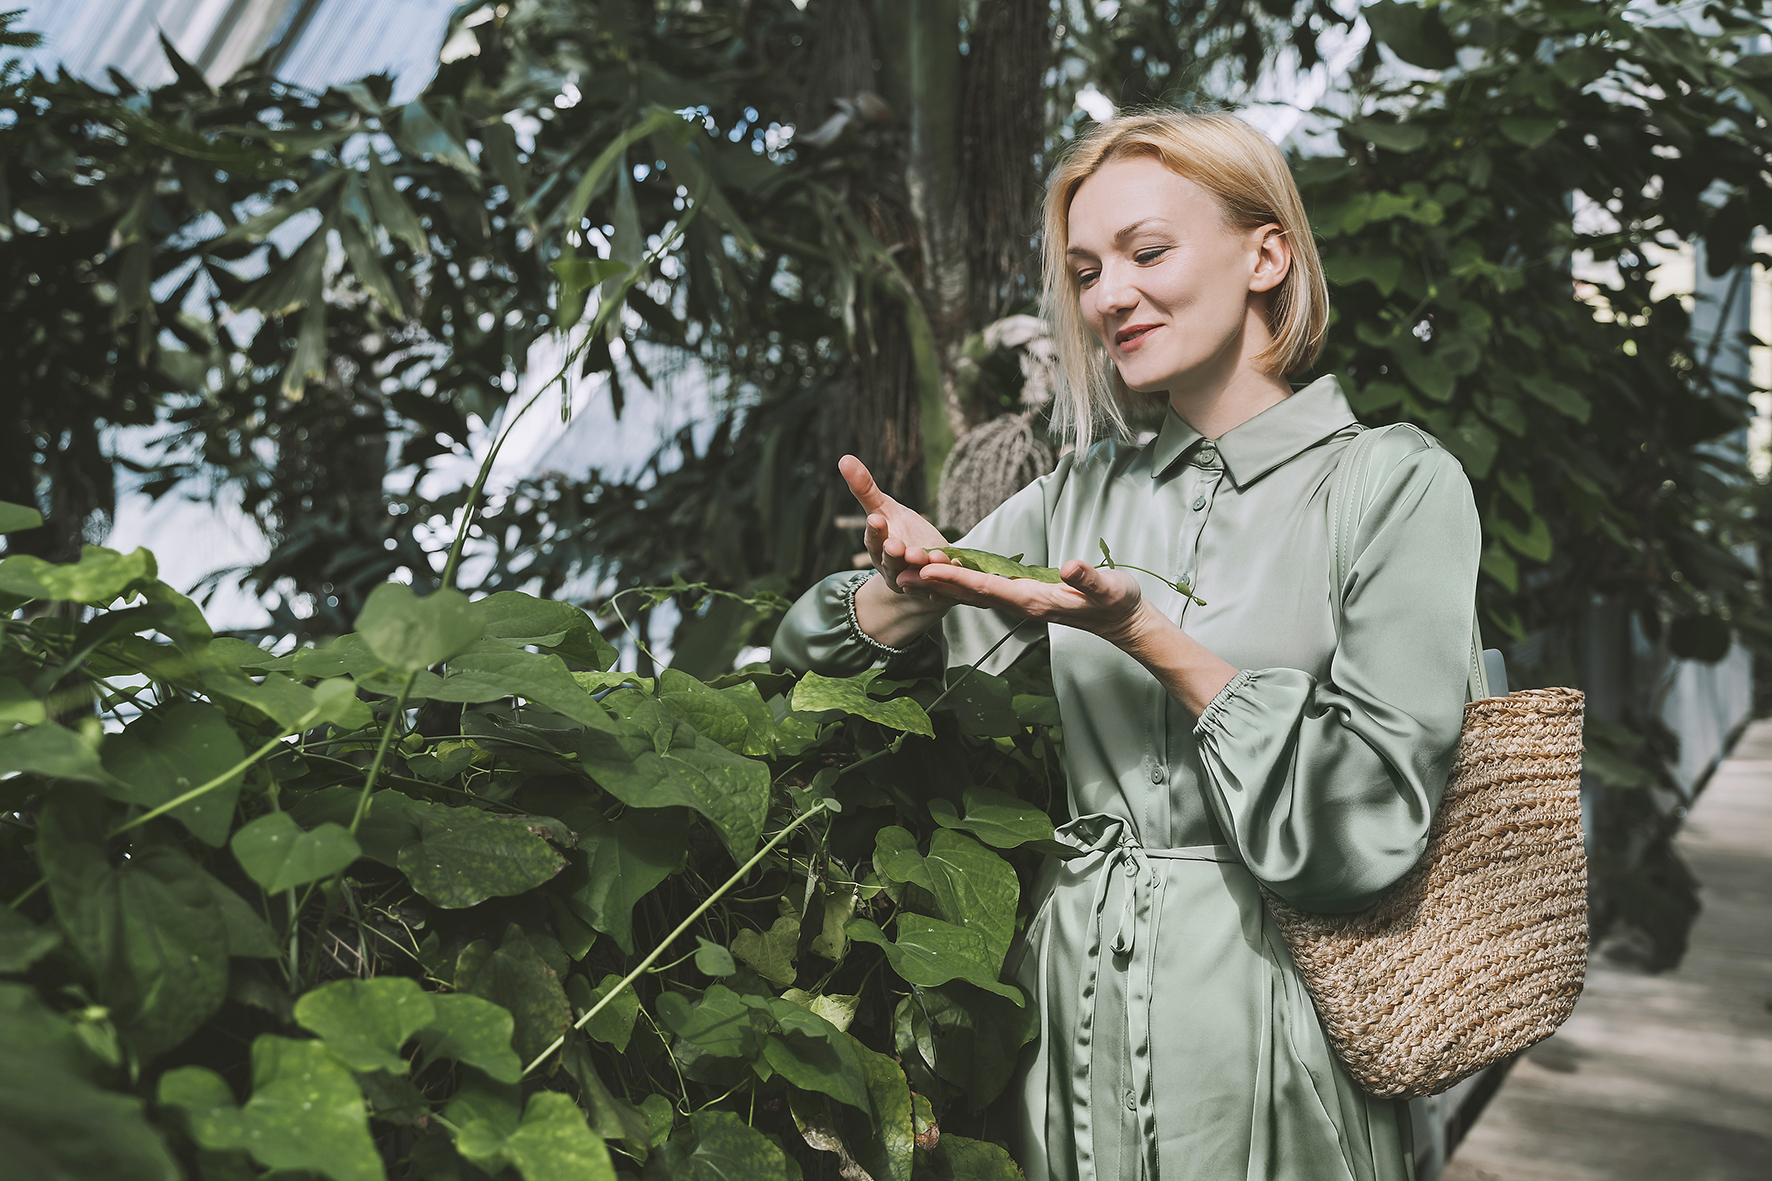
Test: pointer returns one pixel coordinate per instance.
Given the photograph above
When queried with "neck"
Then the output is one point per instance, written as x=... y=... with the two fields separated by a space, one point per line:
x=1234 y=390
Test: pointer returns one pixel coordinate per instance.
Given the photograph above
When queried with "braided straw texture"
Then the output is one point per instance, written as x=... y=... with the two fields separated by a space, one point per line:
x=1481 y=949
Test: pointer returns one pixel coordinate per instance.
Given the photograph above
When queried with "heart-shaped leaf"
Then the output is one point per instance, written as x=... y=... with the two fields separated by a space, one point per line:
x=278 y=855
x=408 y=633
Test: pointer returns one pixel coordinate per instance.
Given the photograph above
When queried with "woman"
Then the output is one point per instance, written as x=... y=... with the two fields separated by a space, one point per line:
x=1285 y=734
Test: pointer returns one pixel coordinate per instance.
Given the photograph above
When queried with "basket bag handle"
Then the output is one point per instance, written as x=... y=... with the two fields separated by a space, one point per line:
x=1487 y=671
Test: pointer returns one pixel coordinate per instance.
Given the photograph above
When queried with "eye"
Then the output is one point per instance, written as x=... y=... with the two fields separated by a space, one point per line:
x=1145 y=258
x=1084 y=278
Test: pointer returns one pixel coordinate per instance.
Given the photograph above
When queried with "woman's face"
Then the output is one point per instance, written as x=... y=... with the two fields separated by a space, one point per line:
x=1163 y=281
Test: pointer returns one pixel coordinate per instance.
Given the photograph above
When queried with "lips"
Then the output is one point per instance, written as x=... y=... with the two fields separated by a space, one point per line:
x=1130 y=335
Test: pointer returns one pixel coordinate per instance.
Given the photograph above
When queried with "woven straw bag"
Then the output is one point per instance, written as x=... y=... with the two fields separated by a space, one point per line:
x=1481 y=949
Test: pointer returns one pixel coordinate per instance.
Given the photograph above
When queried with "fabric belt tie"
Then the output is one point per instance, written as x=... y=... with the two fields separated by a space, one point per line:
x=1135 y=937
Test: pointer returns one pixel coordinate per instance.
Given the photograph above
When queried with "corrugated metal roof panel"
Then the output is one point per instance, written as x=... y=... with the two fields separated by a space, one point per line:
x=342 y=40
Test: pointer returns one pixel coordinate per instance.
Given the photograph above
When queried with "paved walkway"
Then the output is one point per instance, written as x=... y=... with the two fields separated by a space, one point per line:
x=1665 y=1077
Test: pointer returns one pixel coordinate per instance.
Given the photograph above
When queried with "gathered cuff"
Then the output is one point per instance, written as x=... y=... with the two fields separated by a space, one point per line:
x=848 y=592
x=1212 y=717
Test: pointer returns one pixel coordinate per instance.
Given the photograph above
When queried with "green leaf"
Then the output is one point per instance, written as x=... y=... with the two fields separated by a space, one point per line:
x=1414 y=33
x=286 y=702
x=553 y=1143
x=734 y=717
x=365 y=1022
x=969 y=1038
x=974 y=888
x=1498 y=564
x=54 y=1122
x=929 y=952
x=956 y=1158
x=421 y=134
x=16 y=518
x=279 y=856
x=22 y=942
x=392 y=209
x=493 y=669
x=815 y=1055
x=1381 y=270
x=148 y=930
x=770 y=954
x=614 y=1023
x=20 y=707
x=1562 y=398
x=305 y=1111
x=718 y=1146
x=721 y=1023
x=1532 y=542
x=516 y=977
x=994 y=817
x=464 y=856
x=983 y=705
x=409 y=633
x=472 y=1031
x=249 y=936
x=519 y=619
x=655 y=759
x=254 y=229
x=883 y=1147
x=1394 y=137
x=713 y=960
x=681 y=159
x=610 y=1118
x=815 y=694
x=607 y=164
x=169 y=751
x=55 y=752
x=624 y=860
x=988 y=563
x=98 y=577
x=366 y=262
x=1526 y=130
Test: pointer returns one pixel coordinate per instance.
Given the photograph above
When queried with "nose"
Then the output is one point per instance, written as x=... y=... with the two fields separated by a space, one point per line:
x=1114 y=291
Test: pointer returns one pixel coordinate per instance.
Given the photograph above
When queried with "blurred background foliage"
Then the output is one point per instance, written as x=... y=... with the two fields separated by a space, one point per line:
x=318 y=295
x=319 y=298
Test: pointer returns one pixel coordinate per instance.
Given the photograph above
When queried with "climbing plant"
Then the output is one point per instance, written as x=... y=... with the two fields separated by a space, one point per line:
x=452 y=897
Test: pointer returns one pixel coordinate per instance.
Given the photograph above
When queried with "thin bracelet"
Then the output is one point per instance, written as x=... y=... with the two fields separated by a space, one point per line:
x=848 y=592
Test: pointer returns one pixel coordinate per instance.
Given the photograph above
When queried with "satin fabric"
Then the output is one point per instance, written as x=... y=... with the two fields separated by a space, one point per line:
x=1177 y=1040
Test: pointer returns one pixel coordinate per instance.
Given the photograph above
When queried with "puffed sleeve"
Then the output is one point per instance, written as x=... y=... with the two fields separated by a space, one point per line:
x=819 y=632
x=1328 y=788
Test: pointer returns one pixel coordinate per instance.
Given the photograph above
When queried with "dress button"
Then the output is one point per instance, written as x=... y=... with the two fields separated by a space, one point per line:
x=1199 y=503
x=1131 y=1101
x=1156 y=774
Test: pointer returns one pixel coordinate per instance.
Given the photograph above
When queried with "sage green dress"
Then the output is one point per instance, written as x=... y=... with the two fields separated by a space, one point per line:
x=1178 y=1041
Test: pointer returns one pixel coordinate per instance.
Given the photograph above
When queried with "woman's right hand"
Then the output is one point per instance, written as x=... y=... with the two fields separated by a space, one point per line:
x=897 y=538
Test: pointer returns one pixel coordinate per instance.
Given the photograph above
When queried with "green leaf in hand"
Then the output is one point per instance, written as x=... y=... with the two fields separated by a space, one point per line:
x=986 y=562
x=1107 y=559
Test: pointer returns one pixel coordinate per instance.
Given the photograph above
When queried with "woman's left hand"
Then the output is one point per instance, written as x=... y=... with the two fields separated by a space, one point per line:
x=1107 y=603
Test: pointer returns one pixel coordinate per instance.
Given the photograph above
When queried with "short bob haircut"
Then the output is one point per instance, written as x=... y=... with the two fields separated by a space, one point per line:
x=1246 y=172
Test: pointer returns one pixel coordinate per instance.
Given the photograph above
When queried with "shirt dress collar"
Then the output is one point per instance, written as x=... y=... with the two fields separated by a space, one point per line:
x=1255 y=448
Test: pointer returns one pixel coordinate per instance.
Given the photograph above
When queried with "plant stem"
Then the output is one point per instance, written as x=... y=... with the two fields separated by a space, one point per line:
x=604 y=310
x=38 y=885
x=655 y=953
x=381 y=752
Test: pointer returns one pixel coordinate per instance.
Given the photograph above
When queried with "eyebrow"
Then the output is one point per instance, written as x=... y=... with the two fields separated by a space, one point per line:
x=1121 y=236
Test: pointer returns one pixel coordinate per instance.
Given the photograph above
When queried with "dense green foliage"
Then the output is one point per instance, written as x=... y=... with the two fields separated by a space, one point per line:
x=448 y=897
x=444 y=830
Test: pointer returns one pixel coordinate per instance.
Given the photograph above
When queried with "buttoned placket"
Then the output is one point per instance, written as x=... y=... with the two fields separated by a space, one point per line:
x=1199 y=486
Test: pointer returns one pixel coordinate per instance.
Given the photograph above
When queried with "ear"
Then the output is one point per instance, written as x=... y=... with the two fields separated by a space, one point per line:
x=1273 y=259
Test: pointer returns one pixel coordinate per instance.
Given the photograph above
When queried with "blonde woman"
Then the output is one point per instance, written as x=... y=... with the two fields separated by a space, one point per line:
x=1286 y=734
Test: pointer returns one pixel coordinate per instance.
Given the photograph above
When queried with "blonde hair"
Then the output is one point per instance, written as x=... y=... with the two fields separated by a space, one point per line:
x=1249 y=177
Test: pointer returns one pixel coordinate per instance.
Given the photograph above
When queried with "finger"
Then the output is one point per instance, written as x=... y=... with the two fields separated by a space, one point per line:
x=1081 y=574
x=862 y=486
